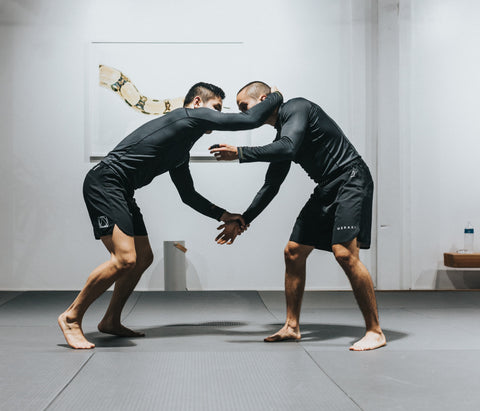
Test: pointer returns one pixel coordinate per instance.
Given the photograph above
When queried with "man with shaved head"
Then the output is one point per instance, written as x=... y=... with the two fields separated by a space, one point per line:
x=336 y=218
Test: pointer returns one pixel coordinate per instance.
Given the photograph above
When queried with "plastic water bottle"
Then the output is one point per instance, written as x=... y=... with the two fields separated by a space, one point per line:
x=468 y=239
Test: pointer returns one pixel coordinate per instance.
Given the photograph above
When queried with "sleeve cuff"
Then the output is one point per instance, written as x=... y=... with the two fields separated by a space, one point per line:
x=240 y=154
x=246 y=218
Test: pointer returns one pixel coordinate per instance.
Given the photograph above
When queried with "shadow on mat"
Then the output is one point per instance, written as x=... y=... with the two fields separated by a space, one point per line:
x=323 y=332
x=110 y=341
x=310 y=332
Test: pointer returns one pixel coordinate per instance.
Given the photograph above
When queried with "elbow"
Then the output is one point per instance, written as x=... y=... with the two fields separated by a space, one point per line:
x=254 y=120
x=287 y=154
x=290 y=155
x=259 y=122
x=287 y=150
x=253 y=123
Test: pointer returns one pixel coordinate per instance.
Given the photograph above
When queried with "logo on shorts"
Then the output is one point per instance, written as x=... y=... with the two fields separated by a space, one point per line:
x=346 y=227
x=102 y=221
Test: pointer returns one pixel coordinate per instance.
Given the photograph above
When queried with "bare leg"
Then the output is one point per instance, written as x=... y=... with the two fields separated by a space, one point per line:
x=347 y=255
x=295 y=272
x=124 y=287
x=122 y=262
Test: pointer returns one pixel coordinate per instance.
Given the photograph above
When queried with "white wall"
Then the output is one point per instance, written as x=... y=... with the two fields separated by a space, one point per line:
x=445 y=131
x=428 y=84
x=400 y=76
x=317 y=49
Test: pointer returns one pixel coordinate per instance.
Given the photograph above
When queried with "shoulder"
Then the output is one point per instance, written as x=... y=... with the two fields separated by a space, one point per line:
x=294 y=107
x=298 y=102
x=295 y=104
x=171 y=117
x=177 y=113
x=201 y=113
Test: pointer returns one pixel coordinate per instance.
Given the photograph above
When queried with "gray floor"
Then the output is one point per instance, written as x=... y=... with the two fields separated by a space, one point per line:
x=205 y=351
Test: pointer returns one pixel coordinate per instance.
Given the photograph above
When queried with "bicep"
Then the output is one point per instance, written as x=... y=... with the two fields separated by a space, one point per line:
x=295 y=127
x=181 y=177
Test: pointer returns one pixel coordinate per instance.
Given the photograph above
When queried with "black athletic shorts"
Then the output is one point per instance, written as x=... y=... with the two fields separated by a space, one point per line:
x=338 y=211
x=109 y=203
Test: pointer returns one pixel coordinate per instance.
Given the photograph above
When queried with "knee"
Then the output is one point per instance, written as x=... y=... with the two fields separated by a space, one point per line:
x=344 y=257
x=293 y=254
x=125 y=262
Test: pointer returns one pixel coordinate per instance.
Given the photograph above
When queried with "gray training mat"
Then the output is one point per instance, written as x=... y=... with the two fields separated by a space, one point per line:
x=210 y=381
x=205 y=351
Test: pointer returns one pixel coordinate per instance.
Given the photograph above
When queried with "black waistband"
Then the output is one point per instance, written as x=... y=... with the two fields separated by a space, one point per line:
x=347 y=167
x=121 y=180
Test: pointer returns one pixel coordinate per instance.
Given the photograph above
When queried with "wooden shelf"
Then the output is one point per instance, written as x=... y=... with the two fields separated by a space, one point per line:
x=461 y=260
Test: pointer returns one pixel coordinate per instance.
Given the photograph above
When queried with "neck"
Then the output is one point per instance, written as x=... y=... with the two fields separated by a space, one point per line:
x=272 y=120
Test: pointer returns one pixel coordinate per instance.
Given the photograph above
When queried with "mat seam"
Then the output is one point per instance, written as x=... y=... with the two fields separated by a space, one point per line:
x=268 y=309
x=331 y=379
x=69 y=382
x=13 y=298
x=134 y=305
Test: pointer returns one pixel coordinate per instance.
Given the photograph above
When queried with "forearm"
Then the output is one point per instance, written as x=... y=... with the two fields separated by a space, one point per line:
x=260 y=202
x=274 y=178
x=202 y=205
x=253 y=118
x=183 y=181
x=280 y=150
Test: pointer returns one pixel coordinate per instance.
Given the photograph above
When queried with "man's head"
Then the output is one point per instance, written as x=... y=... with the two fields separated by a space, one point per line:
x=204 y=95
x=252 y=94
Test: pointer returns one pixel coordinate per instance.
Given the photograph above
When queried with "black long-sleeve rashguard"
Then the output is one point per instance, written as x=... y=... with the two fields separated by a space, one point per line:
x=305 y=135
x=163 y=144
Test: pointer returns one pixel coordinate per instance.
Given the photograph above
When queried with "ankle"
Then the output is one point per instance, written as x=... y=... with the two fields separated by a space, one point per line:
x=376 y=330
x=293 y=324
x=72 y=317
x=110 y=320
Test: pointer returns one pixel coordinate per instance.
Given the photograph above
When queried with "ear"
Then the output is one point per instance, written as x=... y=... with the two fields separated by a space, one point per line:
x=197 y=102
x=263 y=97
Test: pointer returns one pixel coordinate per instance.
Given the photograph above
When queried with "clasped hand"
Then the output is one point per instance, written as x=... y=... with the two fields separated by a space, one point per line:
x=233 y=225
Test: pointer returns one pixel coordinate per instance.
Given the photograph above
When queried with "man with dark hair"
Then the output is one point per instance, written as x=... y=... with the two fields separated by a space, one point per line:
x=337 y=217
x=205 y=91
x=156 y=147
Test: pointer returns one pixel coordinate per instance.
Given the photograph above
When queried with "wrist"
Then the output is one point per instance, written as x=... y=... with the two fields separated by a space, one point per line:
x=225 y=216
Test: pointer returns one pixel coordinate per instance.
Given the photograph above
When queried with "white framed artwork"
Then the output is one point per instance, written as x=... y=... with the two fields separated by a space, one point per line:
x=161 y=73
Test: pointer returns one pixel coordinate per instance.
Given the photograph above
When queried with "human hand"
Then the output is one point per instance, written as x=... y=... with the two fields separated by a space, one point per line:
x=224 y=152
x=231 y=230
x=228 y=217
x=273 y=89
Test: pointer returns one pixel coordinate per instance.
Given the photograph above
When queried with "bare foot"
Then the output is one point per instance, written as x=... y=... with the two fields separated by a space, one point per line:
x=287 y=333
x=72 y=331
x=370 y=341
x=119 y=330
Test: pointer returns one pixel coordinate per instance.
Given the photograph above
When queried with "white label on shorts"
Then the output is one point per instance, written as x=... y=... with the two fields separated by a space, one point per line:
x=346 y=227
x=102 y=221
